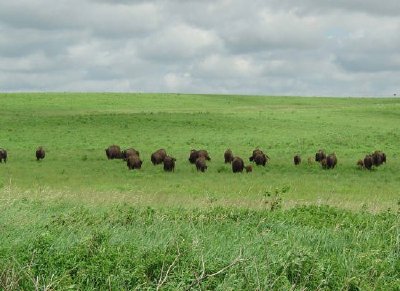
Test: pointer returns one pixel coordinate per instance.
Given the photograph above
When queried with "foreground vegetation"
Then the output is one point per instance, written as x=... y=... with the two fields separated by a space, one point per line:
x=79 y=221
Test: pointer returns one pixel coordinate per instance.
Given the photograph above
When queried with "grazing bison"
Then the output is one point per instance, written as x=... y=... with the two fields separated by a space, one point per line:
x=158 y=156
x=228 y=156
x=255 y=152
x=378 y=158
x=40 y=153
x=297 y=160
x=260 y=159
x=368 y=162
x=249 y=168
x=113 y=152
x=194 y=155
x=125 y=154
x=133 y=162
x=320 y=155
x=3 y=155
x=360 y=164
x=169 y=164
x=201 y=164
x=237 y=165
x=331 y=161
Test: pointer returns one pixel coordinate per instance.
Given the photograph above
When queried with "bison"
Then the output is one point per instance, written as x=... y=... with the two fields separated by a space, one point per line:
x=228 y=156
x=255 y=152
x=260 y=159
x=249 y=168
x=158 y=156
x=297 y=159
x=169 y=164
x=237 y=165
x=3 y=155
x=378 y=158
x=368 y=162
x=125 y=154
x=133 y=162
x=113 y=152
x=331 y=161
x=40 y=153
x=320 y=155
x=194 y=155
x=201 y=164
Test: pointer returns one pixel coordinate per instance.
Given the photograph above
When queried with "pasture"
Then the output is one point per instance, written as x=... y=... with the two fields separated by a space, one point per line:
x=78 y=220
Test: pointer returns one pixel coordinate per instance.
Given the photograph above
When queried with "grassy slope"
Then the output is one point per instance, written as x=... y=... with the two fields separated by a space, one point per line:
x=77 y=221
x=75 y=129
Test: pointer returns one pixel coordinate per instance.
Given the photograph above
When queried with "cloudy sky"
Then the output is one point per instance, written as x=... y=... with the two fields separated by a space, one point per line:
x=269 y=47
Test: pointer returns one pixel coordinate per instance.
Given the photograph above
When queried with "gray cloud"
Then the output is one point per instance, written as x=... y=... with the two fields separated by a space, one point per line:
x=342 y=48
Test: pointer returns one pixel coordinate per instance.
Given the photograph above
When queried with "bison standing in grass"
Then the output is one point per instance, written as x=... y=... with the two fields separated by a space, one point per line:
x=194 y=155
x=158 y=156
x=378 y=158
x=297 y=160
x=40 y=153
x=169 y=164
x=249 y=168
x=237 y=165
x=133 y=162
x=331 y=161
x=3 y=155
x=360 y=164
x=320 y=155
x=201 y=164
x=228 y=156
x=259 y=157
x=125 y=154
x=368 y=162
x=113 y=152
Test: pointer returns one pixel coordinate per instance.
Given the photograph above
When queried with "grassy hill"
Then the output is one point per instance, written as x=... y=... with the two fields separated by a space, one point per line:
x=77 y=220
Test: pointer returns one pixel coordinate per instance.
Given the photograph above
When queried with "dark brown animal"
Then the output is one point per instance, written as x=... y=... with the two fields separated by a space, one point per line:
x=201 y=164
x=296 y=160
x=360 y=164
x=331 y=161
x=228 y=156
x=113 y=152
x=320 y=155
x=368 y=162
x=260 y=159
x=3 y=155
x=129 y=152
x=255 y=152
x=237 y=165
x=194 y=155
x=378 y=158
x=249 y=168
x=324 y=164
x=40 y=153
x=158 y=156
x=133 y=162
x=169 y=164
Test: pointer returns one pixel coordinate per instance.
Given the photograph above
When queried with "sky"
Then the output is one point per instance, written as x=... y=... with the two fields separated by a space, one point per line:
x=269 y=47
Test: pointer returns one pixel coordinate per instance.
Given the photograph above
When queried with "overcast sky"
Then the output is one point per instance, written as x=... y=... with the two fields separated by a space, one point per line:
x=269 y=47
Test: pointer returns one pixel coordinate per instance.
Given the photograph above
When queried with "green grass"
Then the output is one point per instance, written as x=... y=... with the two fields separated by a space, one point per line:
x=79 y=221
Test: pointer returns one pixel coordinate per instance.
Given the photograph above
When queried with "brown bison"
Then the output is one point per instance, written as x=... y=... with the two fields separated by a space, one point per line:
x=125 y=154
x=3 y=155
x=255 y=152
x=324 y=163
x=368 y=162
x=158 y=156
x=331 y=161
x=194 y=155
x=201 y=164
x=320 y=155
x=169 y=164
x=249 y=168
x=360 y=164
x=40 y=153
x=113 y=152
x=228 y=156
x=237 y=165
x=378 y=158
x=297 y=160
x=260 y=159
x=133 y=162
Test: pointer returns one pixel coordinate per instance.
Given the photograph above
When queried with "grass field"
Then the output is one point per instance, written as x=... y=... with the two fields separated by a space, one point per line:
x=79 y=220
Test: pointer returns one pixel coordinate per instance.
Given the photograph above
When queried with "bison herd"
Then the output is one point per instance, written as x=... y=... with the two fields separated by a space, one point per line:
x=200 y=158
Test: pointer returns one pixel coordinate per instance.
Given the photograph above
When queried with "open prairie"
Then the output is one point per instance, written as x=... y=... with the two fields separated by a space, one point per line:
x=78 y=220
